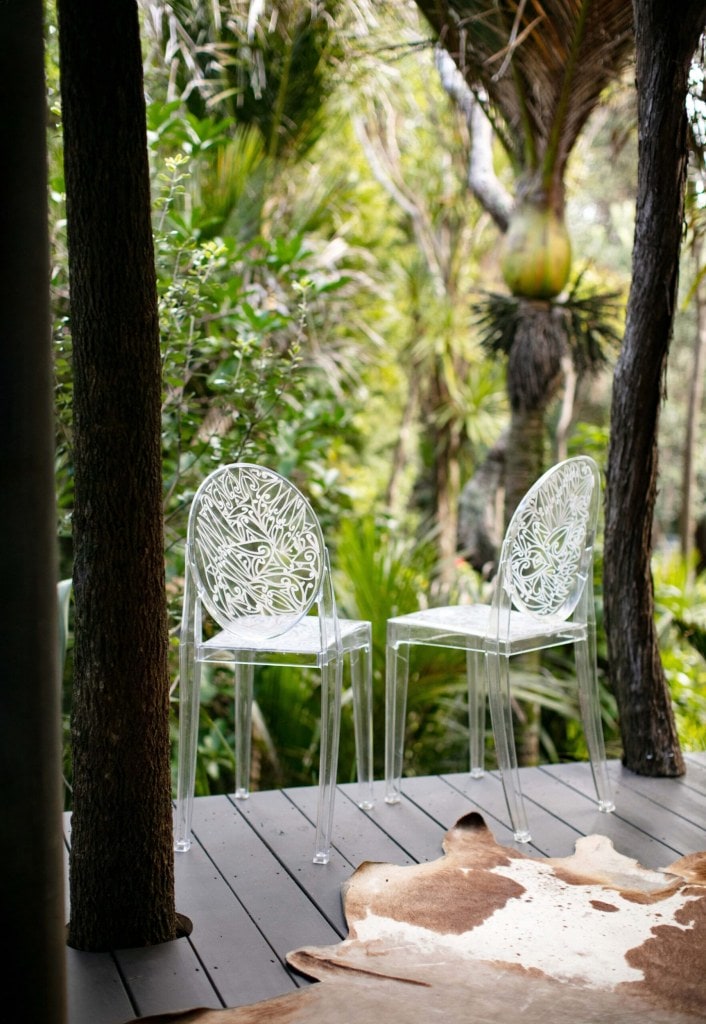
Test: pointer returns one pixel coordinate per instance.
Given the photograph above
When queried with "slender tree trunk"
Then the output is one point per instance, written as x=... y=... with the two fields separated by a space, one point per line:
x=566 y=415
x=482 y=180
x=403 y=445
x=31 y=880
x=696 y=395
x=121 y=866
x=524 y=463
x=664 y=47
x=445 y=472
x=448 y=492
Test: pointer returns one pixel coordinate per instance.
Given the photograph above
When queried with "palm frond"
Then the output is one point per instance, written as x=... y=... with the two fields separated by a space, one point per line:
x=543 y=65
x=694 y=634
x=534 y=337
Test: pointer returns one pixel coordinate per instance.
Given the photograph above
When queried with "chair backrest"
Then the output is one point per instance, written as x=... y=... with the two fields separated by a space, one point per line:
x=547 y=554
x=63 y=596
x=255 y=550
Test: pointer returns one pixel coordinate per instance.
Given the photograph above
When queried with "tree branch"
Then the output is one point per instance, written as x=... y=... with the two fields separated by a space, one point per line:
x=482 y=180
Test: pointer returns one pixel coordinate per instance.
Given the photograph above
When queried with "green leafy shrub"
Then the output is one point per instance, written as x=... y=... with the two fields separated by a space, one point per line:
x=680 y=607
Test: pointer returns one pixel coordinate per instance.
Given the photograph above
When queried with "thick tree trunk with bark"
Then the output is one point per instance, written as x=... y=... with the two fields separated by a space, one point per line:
x=664 y=47
x=31 y=880
x=121 y=868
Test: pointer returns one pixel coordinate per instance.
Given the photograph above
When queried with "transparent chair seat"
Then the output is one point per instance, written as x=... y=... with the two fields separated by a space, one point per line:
x=543 y=597
x=258 y=568
x=465 y=627
x=301 y=643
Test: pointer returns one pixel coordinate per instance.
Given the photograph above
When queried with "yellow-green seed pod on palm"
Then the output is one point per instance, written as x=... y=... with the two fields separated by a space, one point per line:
x=536 y=259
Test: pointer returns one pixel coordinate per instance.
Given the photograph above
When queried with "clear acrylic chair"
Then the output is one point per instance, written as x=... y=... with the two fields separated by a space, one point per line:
x=63 y=597
x=258 y=568
x=543 y=597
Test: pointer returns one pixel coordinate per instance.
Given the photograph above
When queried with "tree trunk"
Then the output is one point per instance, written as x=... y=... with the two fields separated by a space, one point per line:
x=31 y=881
x=447 y=483
x=696 y=395
x=524 y=456
x=444 y=474
x=403 y=445
x=482 y=180
x=524 y=463
x=481 y=512
x=121 y=865
x=664 y=47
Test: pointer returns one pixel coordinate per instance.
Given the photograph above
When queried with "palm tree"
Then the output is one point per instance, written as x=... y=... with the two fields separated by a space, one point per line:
x=269 y=65
x=538 y=69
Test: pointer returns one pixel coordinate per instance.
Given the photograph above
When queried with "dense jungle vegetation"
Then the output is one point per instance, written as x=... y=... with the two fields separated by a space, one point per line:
x=323 y=272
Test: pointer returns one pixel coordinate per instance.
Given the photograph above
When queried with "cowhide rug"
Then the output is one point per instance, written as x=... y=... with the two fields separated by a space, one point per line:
x=488 y=934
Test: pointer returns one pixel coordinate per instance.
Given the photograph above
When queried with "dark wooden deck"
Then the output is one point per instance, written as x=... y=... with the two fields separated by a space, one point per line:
x=252 y=893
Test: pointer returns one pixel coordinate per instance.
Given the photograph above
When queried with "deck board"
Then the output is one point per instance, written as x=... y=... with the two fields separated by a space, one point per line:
x=665 y=810
x=253 y=894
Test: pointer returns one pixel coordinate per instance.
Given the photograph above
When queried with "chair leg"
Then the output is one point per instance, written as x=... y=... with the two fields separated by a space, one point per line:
x=475 y=673
x=590 y=705
x=331 y=682
x=362 y=685
x=244 y=673
x=189 y=688
x=396 y=683
x=498 y=668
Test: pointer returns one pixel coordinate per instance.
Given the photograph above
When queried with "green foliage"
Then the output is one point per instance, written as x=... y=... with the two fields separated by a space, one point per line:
x=267 y=66
x=242 y=379
x=313 y=292
x=680 y=605
x=381 y=572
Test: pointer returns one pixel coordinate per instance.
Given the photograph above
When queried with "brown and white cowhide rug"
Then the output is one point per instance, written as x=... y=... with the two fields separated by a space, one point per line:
x=488 y=934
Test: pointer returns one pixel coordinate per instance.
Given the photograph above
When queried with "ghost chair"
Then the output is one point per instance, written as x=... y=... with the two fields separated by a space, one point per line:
x=542 y=598
x=258 y=591
x=63 y=597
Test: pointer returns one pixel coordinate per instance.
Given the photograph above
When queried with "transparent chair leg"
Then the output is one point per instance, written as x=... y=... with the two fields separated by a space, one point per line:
x=331 y=681
x=475 y=672
x=501 y=717
x=244 y=673
x=397 y=679
x=362 y=685
x=590 y=705
x=189 y=687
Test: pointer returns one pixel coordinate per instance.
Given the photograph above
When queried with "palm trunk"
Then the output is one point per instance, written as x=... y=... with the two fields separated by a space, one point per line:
x=524 y=463
x=524 y=459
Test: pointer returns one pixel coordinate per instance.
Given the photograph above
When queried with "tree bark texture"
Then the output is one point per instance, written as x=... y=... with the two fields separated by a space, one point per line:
x=121 y=866
x=665 y=44
x=31 y=880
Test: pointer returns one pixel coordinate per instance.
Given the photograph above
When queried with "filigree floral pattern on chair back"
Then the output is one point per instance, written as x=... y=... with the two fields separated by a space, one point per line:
x=257 y=550
x=551 y=539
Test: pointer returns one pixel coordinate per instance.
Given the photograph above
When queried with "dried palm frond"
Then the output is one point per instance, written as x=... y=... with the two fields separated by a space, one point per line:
x=535 y=336
x=594 y=325
x=539 y=66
